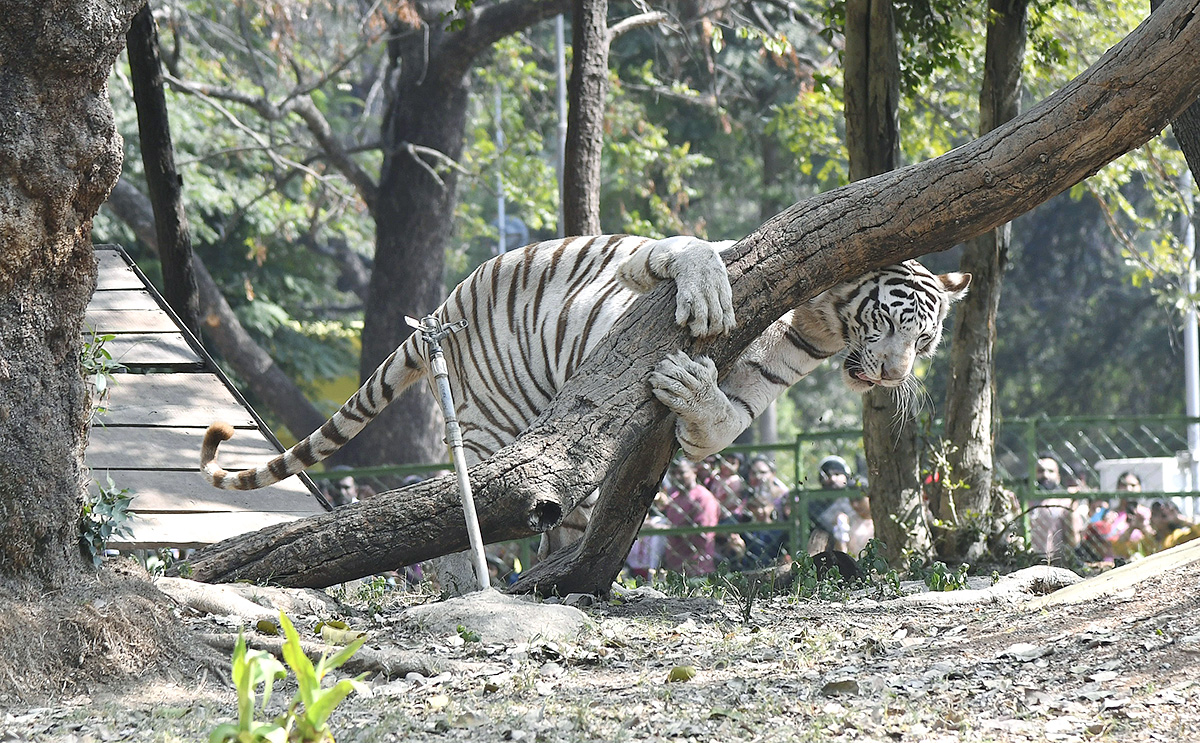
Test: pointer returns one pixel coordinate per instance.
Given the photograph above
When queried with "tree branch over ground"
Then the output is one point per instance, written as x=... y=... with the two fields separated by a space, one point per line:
x=605 y=413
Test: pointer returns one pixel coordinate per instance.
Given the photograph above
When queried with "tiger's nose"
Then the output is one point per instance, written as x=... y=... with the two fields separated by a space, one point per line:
x=894 y=372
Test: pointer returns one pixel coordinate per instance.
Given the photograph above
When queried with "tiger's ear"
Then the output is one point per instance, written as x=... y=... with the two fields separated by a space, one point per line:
x=955 y=284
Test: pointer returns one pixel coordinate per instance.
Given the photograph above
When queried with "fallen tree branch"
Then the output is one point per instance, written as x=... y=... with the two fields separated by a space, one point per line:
x=391 y=663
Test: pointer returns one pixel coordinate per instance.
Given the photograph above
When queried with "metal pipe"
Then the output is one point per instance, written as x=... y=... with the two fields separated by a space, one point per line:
x=501 y=217
x=1191 y=342
x=432 y=332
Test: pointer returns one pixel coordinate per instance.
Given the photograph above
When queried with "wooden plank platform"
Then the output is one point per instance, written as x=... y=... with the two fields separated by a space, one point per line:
x=157 y=491
x=171 y=449
x=149 y=438
x=139 y=350
x=151 y=400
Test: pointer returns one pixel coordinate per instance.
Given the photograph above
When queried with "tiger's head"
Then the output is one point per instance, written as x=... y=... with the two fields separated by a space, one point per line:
x=890 y=318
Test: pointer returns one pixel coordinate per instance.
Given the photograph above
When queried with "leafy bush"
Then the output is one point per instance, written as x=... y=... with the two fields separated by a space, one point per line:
x=105 y=515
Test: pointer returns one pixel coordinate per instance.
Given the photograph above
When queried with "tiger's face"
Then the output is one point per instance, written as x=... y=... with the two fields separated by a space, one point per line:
x=892 y=317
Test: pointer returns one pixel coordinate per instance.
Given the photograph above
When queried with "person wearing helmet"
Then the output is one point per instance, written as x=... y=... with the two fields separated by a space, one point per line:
x=834 y=473
x=845 y=524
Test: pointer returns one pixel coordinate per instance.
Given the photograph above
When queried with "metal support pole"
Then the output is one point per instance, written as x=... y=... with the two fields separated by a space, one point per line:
x=432 y=332
x=1191 y=346
x=501 y=217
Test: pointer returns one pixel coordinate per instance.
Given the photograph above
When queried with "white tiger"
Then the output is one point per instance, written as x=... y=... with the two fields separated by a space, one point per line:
x=534 y=315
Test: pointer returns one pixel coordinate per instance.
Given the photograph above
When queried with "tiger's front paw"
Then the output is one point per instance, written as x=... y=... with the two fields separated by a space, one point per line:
x=703 y=297
x=707 y=420
x=688 y=387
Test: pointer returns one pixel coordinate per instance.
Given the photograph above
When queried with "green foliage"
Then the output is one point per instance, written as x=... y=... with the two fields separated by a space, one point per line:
x=251 y=669
x=307 y=716
x=263 y=205
x=939 y=577
x=98 y=368
x=105 y=515
x=372 y=593
x=468 y=635
x=932 y=36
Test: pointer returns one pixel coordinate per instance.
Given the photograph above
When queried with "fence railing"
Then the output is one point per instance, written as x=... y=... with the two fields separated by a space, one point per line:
x=1088 y=449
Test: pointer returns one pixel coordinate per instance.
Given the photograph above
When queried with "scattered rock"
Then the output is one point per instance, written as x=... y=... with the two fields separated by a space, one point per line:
x=496 y=617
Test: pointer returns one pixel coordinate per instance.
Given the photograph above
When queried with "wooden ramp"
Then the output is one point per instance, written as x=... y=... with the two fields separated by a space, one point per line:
x=149 y=438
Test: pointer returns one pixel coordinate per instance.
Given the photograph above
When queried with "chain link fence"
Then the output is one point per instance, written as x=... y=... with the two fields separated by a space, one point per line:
x=758 y=505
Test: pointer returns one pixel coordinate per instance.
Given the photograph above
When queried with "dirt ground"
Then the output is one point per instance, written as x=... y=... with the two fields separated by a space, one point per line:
x=1123 y=668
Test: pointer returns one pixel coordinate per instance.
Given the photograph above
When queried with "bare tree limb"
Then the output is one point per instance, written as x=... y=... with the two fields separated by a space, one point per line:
x=634 y=22
x=302 y=106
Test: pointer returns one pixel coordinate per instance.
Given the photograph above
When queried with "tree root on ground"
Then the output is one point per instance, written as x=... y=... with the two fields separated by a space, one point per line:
x=390 y=663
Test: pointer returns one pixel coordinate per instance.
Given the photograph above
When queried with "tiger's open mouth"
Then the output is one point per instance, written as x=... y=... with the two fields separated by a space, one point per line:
x=854 y=370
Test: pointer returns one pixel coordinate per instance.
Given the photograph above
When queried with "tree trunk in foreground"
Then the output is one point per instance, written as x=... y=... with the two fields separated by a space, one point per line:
x=605 y=413
x=972 y=384
x=59 y=156
x=891 y=439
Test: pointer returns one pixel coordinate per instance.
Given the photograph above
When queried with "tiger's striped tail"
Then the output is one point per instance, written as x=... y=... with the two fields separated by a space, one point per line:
x=399 y=371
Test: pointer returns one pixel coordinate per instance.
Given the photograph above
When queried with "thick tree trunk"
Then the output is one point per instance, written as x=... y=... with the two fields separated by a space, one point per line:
x=413 y=219
x=59 y=156
x=588 y=95
x=414 y=213
x=221 y=326
x=605 y=413
x=971 y=388
x=163 y=180
x=891 y=440
x=1186 y=127
x=872 y=88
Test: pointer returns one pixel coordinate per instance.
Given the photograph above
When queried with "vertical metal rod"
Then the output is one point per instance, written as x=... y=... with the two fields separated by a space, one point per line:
x=1191 y=346
x=432 y=332
x=561 y=49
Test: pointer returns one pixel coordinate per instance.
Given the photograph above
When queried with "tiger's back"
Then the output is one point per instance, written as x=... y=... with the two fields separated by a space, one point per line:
x=533 y=315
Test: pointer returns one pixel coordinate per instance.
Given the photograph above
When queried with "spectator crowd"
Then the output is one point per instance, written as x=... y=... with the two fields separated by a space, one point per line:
x=1071 y=522
x=741 y=515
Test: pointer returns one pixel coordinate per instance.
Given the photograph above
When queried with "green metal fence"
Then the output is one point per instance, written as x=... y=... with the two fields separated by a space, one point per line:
x=1083 y=445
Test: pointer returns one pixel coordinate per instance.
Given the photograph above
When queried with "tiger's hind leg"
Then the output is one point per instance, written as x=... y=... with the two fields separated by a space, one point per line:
x=703 y=297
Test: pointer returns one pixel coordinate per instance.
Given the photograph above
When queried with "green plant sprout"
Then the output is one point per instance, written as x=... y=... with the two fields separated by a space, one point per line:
x=307 y=717
x=250 y=669
x=98 y=368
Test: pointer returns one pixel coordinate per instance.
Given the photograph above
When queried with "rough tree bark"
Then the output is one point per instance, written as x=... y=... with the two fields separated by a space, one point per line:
x=971 y=388
x=59 y=156
x=1186 y=127
x=605 y=414
x=162 y=179
x=587 y=92
x=426 y=108
x=891 y=440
